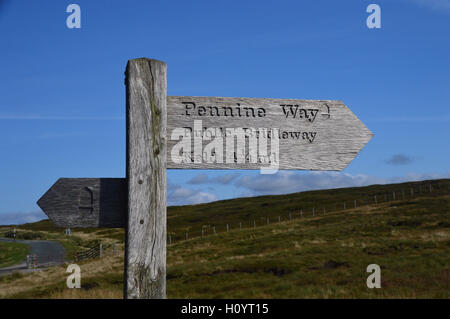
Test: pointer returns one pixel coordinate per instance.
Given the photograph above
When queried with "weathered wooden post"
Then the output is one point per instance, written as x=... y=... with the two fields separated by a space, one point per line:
x=145 y=253
x=138 y=202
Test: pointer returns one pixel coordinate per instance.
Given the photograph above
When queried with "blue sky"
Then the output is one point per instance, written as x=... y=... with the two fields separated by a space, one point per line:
x=62 y=95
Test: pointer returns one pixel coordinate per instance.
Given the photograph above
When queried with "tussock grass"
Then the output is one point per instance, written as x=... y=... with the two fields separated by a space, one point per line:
x=309 y=257
x=12 y=253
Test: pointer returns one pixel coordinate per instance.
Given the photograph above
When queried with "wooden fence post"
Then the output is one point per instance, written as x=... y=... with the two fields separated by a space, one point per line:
x=145 y=260
x=100 y=248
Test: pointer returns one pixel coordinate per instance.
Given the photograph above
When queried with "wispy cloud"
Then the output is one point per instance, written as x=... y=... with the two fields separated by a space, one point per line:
x=285 y=182
x=399 y=159
x=51 y=135
x=21 y=218
x=177 y=195
x=438 y=5
x=59 y=118
x=412 y=119
x=203 y=178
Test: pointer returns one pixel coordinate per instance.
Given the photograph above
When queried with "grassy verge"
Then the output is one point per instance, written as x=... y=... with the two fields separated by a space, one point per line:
x=12 y=253
x=309 y=257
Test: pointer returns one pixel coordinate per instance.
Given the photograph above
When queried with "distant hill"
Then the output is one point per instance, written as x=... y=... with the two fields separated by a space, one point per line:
x=321 y=256
x=194 y=218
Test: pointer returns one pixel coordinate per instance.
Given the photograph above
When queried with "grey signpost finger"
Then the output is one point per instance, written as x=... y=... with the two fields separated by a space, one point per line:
x=313 y=134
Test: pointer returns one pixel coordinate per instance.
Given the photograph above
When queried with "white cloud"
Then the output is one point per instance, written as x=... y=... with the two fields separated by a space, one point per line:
x=438 y=5
x=203 y=178
x=21 y=218
x=177 y=195
x=285 y=182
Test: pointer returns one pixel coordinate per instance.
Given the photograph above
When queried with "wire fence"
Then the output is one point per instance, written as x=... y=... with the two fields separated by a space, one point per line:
x=48 y=260
x=10 y=234
x=96 y=251
x=374 y=198
x=44 y=260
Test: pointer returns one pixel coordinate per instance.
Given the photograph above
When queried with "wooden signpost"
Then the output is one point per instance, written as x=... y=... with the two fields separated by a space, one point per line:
x=195 y=132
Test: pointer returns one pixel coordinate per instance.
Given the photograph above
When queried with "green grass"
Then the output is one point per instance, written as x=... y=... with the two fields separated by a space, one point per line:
x=12 y=253
x=192 y=218
x=322 y=257
x=308 y=257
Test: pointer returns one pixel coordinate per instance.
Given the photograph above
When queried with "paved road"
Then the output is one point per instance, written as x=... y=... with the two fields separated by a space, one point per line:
x=48 y=253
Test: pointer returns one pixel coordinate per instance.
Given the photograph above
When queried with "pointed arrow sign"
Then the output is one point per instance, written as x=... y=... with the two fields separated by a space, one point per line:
x=86 y=202
x=177 y=132
x=312 y=134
